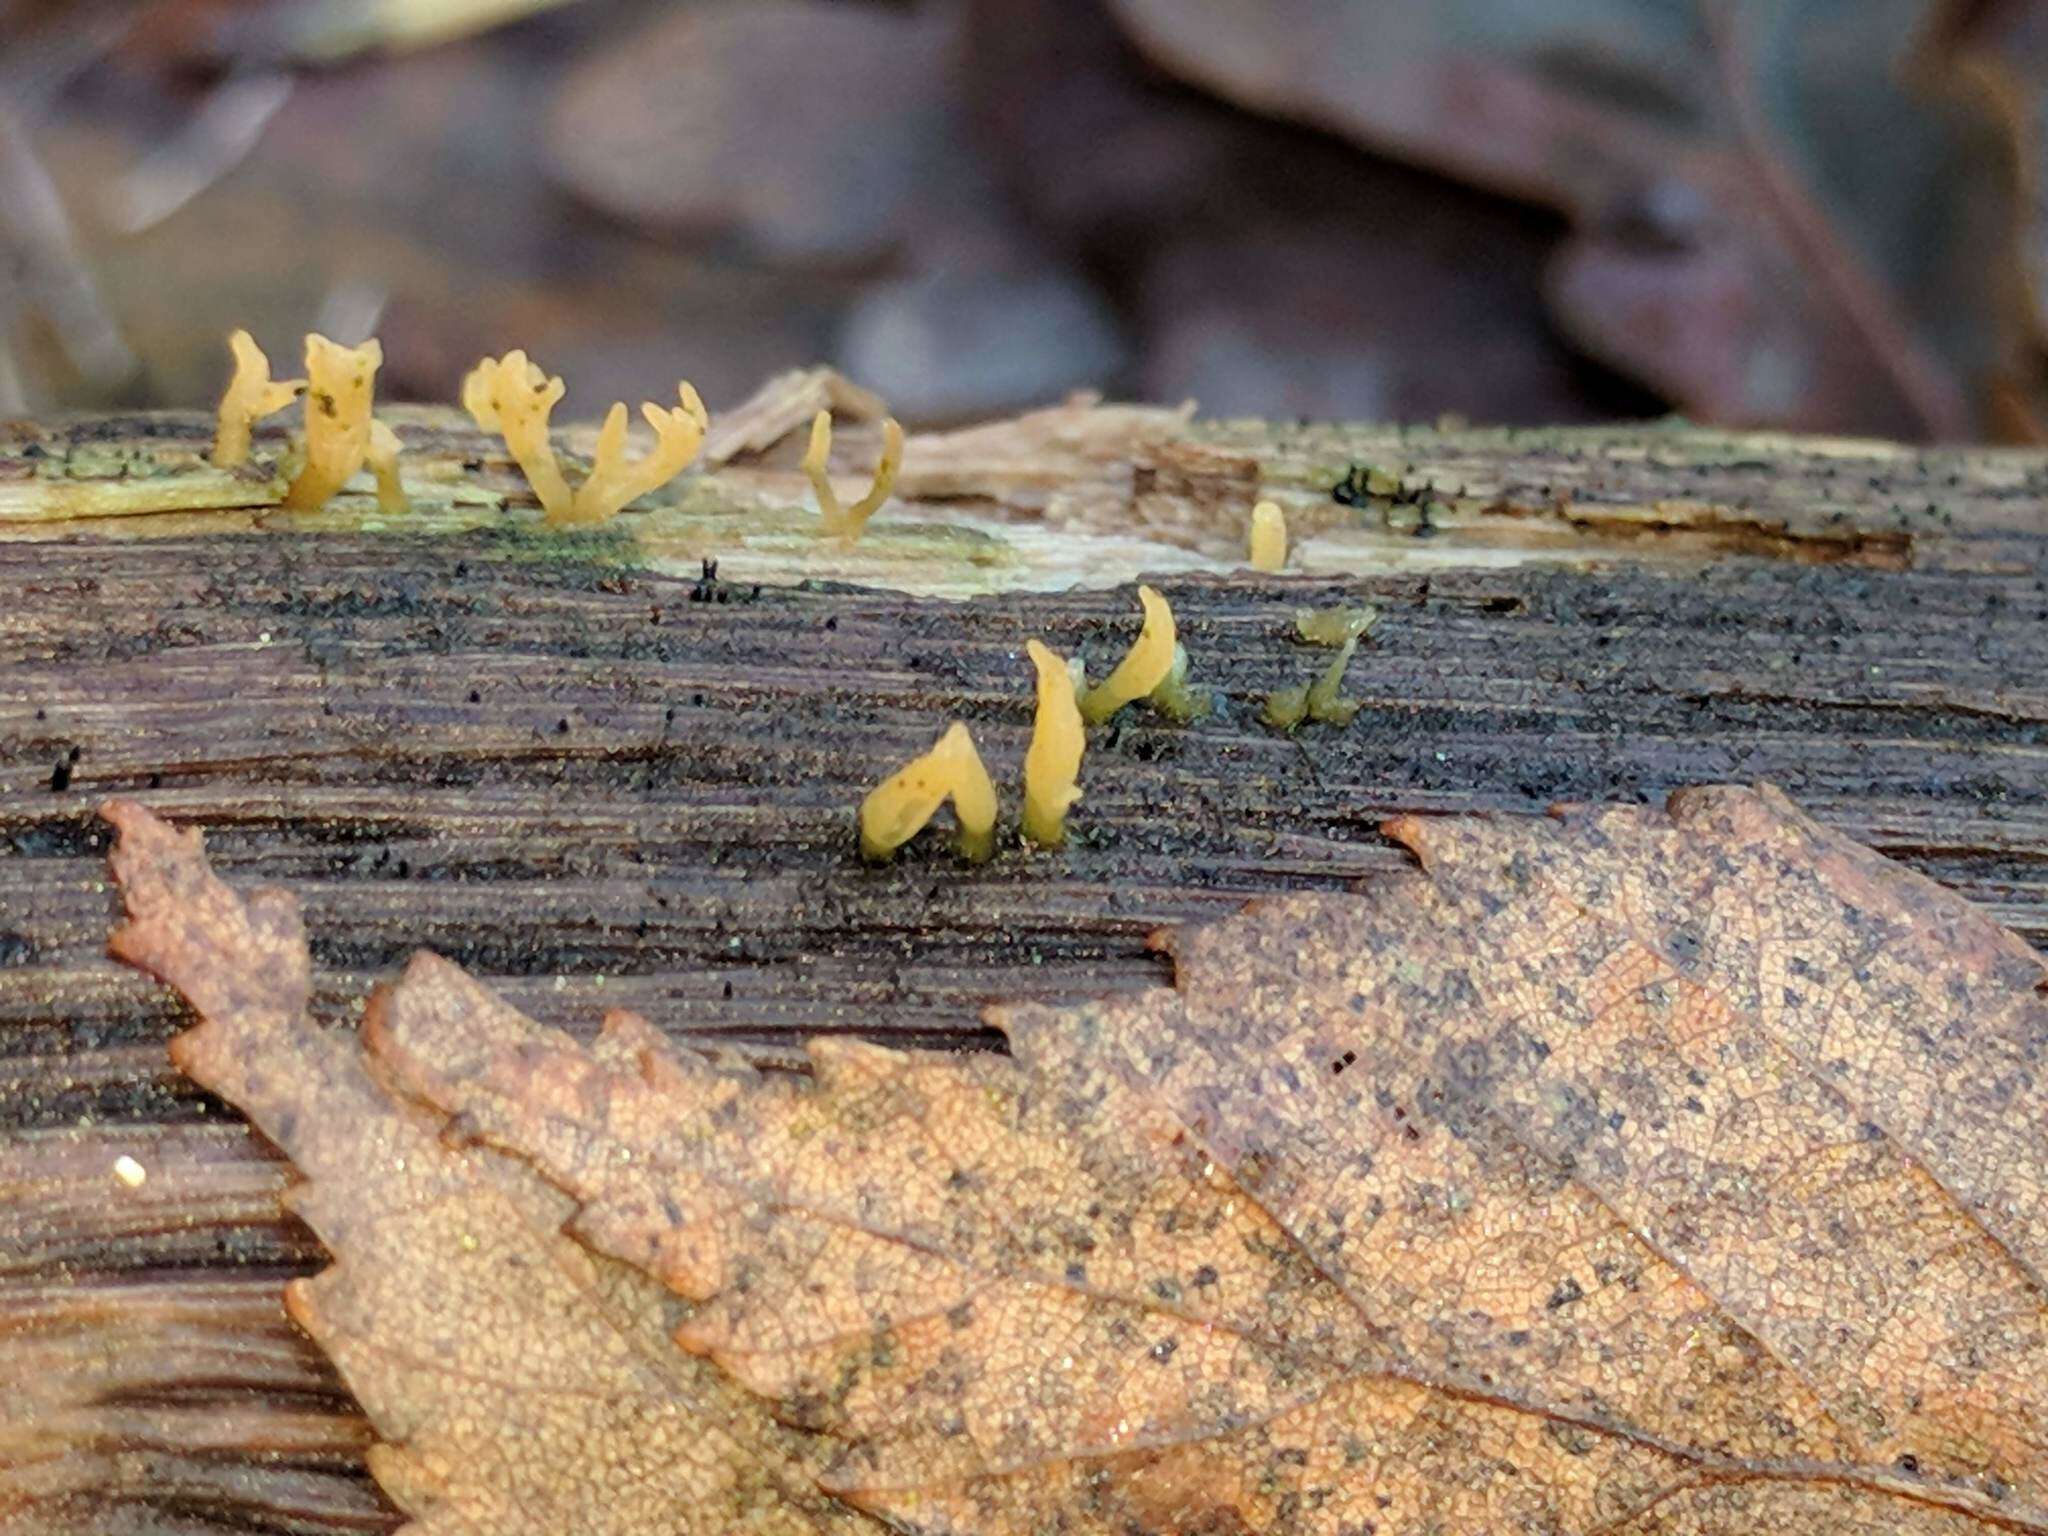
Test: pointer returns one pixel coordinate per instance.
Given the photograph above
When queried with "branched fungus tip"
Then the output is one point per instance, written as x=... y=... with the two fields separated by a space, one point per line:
x=835 y=519
x=250 y=396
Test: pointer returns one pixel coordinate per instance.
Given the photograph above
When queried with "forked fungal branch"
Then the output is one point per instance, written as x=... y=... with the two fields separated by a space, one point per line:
x=251 y=395
x=515 y=398
x=897 y=809
x=841 y=521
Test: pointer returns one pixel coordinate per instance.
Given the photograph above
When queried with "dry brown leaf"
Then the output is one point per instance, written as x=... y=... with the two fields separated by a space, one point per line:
x=521 y=1383
x=1642 y=1171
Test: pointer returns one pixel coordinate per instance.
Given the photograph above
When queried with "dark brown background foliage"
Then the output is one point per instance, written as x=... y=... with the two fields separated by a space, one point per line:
x=1815 y=213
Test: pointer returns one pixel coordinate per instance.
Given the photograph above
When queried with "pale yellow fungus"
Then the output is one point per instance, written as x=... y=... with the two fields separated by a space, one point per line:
x=847 y=522
x=1325 y=703
x=897 y=809
x=1288 y=707
x=1053 y=761
x=515 y=398
x=1333 y=626
x=340 y=385
x=1144 y=667
x=130 y=1172
x=512 y=397
x=1173 y=697
x=613 y=481
x=384 y=449
x=1268 y=537
x=250 y=396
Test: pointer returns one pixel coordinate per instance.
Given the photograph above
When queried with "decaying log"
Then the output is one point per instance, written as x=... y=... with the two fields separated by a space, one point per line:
x=599 y=773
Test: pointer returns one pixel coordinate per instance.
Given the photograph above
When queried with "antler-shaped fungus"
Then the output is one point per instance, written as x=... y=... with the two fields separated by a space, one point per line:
x=847 y=522
x=341 y=384
x=513 y=397
x=678 y=434
x=251 y=395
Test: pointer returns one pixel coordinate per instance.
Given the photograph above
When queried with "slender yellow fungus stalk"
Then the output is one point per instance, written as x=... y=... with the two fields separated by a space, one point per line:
x=898 y=808
x=384 y=449
x=1333 y=626
x=1053 y=761
x=613 y=482
x=1144 y=667
x=251 y=395
x=1325 y=703
x=341 y=383
x=847 y=522
x=514 y=397
x=1268 y=538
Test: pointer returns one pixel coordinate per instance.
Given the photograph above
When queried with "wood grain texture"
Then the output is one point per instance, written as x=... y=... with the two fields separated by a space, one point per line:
x=594 y=778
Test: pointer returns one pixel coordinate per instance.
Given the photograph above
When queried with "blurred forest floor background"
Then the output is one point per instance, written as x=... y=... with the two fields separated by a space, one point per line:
x=1822 y=214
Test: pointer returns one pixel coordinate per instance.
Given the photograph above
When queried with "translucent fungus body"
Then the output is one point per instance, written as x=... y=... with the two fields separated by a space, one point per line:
x=341 y=384
x=250 y=396
x=897 y=809
x=833 y=518
x=384 y=450
x=1052 y=763
x=1333 y=626
x=1144 y=667
x=1321 y=700
x=1267 y=539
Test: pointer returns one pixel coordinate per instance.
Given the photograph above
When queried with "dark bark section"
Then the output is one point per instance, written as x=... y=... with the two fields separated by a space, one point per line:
x=596 y=786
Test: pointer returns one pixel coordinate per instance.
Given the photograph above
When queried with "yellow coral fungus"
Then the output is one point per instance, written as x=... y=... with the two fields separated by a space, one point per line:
x=515 y=398
x=384 y=450
x=1053 y=761
x=847 y=522
x=1268 y=538
x=512 y=397
x=1144 y=667
x=341 y=383
x=897 y=808
x=250 y=396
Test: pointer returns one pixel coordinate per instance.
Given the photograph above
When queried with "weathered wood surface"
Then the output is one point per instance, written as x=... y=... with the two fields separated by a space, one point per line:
x=599 y=780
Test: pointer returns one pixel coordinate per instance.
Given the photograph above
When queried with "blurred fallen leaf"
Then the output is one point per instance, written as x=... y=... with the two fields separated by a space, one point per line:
x=1773 y=222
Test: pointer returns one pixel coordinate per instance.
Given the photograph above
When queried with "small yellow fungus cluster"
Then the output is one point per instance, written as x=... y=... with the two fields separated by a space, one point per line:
x=841 y=521
x=1267 y=541
x=1052 y=764
x=341 y=384
x=341 y=435
x=897 y=809
x=1321 y=700
x=1154 y=668
x=251 y=395
x=514 y=397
